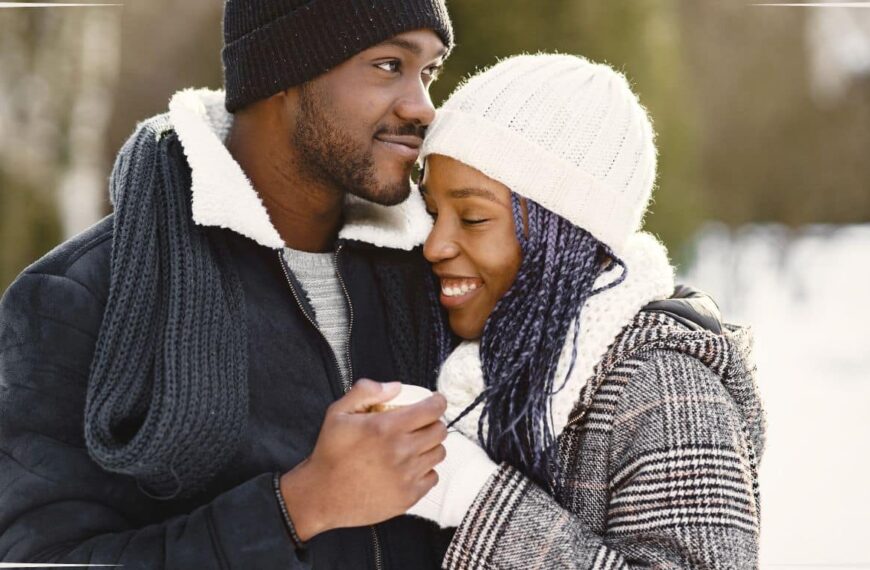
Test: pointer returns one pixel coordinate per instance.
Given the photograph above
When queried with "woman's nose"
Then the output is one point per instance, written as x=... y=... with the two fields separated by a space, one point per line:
x=439 y=246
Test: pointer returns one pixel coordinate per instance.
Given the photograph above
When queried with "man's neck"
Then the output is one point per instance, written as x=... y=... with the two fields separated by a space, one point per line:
x=306 y=214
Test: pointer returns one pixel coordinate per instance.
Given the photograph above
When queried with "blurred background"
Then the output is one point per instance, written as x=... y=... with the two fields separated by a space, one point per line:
x=763 y=121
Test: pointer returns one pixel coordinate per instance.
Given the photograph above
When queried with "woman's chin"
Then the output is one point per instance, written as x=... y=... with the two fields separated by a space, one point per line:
x=466 y=328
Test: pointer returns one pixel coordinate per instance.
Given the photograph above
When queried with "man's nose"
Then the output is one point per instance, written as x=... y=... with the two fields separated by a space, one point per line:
x=416 y=106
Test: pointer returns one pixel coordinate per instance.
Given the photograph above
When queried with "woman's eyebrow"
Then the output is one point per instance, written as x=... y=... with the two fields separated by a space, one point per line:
x=474 y=192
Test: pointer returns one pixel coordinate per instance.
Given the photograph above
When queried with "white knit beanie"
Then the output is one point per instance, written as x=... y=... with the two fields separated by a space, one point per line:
x=560 y=130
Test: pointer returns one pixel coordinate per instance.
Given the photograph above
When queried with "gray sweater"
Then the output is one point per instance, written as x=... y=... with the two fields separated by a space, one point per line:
x=660 y=467
x=317 y=274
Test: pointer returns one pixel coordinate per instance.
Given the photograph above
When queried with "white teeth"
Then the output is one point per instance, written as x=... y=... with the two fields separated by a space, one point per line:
x=457 y=290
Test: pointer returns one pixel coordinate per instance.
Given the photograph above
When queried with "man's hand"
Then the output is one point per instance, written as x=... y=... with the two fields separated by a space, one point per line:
x=366 y=467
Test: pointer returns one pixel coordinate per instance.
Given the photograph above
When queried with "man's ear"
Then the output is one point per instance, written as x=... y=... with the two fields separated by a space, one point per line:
x=284 y=105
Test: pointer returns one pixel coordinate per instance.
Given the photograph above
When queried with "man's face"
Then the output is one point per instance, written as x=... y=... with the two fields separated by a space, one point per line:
x=359 y=126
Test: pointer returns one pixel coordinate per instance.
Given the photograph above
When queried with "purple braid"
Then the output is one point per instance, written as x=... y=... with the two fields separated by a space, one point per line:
x=444 y=339
x=523 y=339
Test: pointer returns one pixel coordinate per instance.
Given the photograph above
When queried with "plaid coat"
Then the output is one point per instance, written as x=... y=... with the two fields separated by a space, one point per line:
x=660 y=465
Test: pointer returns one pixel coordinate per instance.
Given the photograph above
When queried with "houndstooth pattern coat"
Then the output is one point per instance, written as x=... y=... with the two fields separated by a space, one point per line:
x=659 y=460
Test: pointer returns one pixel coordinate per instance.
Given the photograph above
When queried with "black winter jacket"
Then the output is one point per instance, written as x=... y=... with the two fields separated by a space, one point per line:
x=58 y=505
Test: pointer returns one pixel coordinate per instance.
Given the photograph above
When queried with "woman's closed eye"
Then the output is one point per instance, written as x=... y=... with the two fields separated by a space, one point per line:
x=470 y=221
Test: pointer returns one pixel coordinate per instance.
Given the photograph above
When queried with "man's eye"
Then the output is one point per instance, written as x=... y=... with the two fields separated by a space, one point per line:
x=470 y=222
x=391 y=66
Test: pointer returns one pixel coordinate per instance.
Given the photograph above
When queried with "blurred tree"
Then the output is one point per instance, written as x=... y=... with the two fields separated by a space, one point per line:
x=168 y=45
x=56 y=83
x=29 y=227
x=73 y=85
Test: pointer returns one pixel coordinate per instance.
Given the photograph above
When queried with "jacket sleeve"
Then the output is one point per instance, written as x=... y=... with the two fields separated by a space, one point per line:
x=56 y=504
x=681 y=490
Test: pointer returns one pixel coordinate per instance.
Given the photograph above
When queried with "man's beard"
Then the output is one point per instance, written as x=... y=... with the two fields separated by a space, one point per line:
x=330 y=155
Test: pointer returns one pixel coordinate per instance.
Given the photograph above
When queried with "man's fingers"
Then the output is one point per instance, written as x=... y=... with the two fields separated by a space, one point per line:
x=364 y=394
x=429 y=436
x=429 y=480
x=430 y=459
x=419 y=415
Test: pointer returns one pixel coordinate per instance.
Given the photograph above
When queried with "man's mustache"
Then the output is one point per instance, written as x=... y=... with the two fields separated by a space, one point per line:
x=408 y=129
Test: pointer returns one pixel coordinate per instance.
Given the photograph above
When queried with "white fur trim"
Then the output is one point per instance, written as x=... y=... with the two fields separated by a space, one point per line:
x=223 y=196
x=650 y=277
x=399 y=227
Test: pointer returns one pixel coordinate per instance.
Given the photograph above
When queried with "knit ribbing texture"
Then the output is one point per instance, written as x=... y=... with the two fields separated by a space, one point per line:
x=318 y=276
x=167 y=395
x=561 y=130
x=273 y=45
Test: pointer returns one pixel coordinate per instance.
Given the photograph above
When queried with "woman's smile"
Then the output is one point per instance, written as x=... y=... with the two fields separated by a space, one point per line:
x=456 y=291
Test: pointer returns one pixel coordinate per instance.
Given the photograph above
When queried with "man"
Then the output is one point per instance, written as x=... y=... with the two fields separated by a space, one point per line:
x=173 y=380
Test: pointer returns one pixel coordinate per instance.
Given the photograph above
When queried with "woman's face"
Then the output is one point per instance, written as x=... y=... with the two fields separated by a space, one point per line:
x=473 y=246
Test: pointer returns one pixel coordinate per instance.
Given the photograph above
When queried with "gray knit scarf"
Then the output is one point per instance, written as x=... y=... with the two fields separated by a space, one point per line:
x=167 y=396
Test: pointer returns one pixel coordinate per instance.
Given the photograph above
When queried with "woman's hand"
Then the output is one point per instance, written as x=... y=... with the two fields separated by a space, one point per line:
x=461 y=476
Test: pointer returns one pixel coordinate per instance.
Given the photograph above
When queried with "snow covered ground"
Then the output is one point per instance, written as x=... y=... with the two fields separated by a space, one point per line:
x=806 y=294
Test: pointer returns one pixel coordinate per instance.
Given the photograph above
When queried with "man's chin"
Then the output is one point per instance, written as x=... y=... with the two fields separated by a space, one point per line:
x=386 y=194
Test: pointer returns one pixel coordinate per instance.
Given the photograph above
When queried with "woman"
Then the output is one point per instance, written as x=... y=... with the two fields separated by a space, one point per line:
x=594 y=429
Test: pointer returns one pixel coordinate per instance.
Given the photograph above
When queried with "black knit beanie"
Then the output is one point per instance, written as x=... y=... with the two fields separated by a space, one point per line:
x=271 y=45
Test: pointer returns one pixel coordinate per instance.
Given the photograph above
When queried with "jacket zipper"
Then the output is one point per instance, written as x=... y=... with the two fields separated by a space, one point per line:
x=379 y=562
x=346 y=383
x=310 y=320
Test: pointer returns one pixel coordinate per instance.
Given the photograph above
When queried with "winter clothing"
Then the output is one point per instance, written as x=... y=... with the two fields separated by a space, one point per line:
x=271 y=46
x=464 y=471
x=167 y=400
x=660 y=461
x=322 y=288
x=560 y=130
x=178 y=445
x=660 y=431
x=59 y=505
x=659 y=457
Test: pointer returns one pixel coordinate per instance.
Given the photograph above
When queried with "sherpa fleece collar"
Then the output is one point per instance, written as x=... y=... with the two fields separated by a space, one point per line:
x=649 y=277
x=223 y=195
